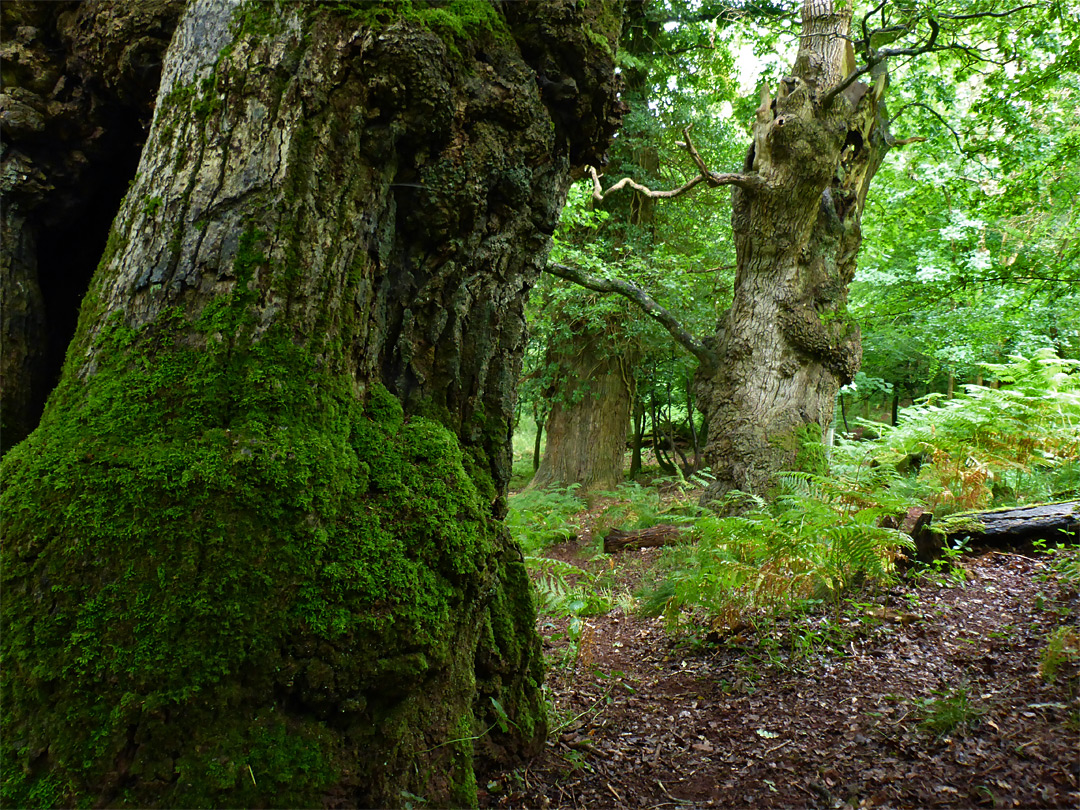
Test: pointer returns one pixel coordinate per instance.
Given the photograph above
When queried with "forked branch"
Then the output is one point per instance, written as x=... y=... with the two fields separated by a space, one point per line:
x=875 y=58
x=751 y=182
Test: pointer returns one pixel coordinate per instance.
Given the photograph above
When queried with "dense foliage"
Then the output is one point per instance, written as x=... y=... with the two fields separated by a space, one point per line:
x=969 y=254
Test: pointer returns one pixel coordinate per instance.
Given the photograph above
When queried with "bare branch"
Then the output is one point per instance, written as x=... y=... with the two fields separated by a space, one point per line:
x=944 y=123
x=906 y=141
x=829 y=97
x=750 y=182
x=881 y=56
x=866 y=19
x=710 y=270
x=877 y=58
x=599 y=194
x=643 y=300
x=980 y=14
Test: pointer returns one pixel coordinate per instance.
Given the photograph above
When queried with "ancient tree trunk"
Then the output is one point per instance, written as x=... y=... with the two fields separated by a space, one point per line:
x=590 y=414
x=252 y=552
x=787 y=343
x=79 y=84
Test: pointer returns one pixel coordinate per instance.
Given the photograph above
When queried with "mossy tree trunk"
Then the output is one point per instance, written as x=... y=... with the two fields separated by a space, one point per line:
x=252 y=552
x=787 y=344
x=78 y=88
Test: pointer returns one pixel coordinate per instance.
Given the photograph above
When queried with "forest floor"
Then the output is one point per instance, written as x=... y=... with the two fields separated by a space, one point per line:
x=924 y=694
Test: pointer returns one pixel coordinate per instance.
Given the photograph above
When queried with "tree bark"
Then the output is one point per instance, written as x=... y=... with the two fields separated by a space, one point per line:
x=587 y=426
x=252 y=551
x=538 y=443
x=79 y=84
x=787 y=344
x=693 y=424
x=999 y=528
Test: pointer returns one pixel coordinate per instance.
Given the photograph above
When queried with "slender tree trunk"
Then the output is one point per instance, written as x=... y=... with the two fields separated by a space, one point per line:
x=637 y=438
x=586 y=429
x=666 y=466
x=693 y=426
x=252 y=552
x=788 y=344
x=538 y=443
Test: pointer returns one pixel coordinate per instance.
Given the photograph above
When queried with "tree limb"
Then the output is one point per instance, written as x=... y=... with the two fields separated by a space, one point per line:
x=750 y=182
x=980 y=14
x=879 y=57
x=643 y=300
x=876 y=58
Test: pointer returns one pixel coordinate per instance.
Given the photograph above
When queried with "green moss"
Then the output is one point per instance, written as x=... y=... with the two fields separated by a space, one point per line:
x=459 y=23
x=958 y=524
x=151 y=206
x=606 y=24
x=804 y=448
x=228 y=582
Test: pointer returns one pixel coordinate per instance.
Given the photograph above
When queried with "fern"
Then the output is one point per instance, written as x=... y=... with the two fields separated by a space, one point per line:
x=1020 y=442
x=542 y=517
x=818 y=536
x=637 y=507
x=563 y=589
x=823 y=533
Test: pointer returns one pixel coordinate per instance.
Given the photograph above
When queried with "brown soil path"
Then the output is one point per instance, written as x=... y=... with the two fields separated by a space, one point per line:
x=820 y=711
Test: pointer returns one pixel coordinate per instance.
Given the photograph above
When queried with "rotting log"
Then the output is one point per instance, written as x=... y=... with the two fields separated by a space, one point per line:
x=655 y=536
x=998 y=528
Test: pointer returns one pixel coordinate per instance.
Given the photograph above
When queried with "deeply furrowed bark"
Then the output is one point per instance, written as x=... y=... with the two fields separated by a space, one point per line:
x=252 y=553
x=586 y=429
x=78 y=88
x=787 y=344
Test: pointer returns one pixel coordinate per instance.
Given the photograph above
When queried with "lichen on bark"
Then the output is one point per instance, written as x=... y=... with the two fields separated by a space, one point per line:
x=252 y=553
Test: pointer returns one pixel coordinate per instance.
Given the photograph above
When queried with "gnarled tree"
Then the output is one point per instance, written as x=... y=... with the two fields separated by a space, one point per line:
x=768 y=379
x=252 y=552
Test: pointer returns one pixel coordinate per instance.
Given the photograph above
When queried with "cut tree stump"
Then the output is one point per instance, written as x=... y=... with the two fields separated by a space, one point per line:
x=998 y=528
x=653 y=537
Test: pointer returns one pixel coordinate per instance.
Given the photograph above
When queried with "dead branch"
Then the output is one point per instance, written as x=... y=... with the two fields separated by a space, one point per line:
x=654 y=537
x=876 y=58
x=980 y=14
x=879 y=57
x=750 y=182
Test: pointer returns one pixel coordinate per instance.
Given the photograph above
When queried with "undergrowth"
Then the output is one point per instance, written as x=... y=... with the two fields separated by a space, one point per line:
x=538 y=518
x=669 y=499
x=821 y=534
x=988 y=446
x=815 y=539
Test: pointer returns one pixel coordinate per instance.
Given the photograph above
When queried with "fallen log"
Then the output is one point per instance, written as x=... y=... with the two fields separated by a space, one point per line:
x=998 y=528
x=655 y=536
